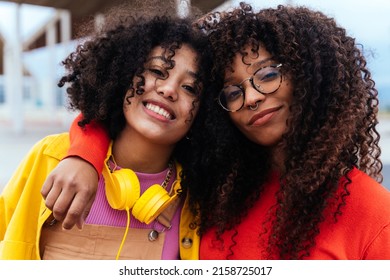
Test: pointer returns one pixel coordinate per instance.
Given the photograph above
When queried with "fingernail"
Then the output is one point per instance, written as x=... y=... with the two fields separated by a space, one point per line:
x=80 y=224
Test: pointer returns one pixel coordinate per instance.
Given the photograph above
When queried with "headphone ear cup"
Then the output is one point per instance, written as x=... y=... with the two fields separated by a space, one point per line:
x=123 y=189
x=151 y=203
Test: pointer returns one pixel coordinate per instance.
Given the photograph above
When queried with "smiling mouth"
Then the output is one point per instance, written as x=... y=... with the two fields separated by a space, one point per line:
x=264 y=116
x=160 y=111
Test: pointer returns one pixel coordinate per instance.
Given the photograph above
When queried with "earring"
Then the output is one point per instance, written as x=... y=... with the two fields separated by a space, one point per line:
x=254 y=108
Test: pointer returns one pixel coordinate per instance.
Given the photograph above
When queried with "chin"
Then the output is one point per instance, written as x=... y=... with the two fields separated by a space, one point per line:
x=265 y=141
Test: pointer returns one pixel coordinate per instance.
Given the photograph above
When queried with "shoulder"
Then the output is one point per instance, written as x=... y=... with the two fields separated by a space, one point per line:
x=36 y=165
x=367 y=188
x=55 y=145
x=368 y=197
x=370 y=203
x=362 y=230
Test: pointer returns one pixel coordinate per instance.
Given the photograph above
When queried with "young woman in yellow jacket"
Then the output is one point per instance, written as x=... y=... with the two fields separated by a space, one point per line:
x=23 y=211
x=143 y=79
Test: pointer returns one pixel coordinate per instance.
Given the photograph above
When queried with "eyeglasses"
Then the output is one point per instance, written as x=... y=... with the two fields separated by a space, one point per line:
x=265 y=80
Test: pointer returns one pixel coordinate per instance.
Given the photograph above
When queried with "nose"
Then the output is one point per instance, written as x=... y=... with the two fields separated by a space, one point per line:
x=252 y=96
x=167 y=88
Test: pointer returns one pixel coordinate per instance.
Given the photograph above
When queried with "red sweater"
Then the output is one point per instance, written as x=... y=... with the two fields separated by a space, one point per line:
x=90 y=143
x=362 y=231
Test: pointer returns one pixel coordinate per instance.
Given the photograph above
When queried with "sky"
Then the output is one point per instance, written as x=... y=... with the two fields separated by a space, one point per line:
x=367 y=21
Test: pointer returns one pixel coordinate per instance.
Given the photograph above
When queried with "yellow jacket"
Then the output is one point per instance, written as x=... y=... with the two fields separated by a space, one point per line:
x=23 y=210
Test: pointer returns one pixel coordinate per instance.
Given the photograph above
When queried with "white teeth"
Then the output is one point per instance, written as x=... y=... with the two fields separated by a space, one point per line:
x=159 y=110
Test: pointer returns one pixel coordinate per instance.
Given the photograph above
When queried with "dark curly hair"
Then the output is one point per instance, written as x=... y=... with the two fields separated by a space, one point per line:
x=101 y=70
x=331 y=127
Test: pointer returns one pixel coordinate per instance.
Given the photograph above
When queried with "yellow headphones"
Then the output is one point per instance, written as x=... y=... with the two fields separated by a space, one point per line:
x=123 y=193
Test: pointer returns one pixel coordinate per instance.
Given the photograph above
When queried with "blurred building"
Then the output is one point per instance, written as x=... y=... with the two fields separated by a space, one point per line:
x=29 y=67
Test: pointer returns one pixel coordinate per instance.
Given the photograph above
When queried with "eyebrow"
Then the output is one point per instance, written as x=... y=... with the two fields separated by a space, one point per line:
x=259 y=63
x=189 y=72
x=157 y=57
x=192 y=74
x=255 y=64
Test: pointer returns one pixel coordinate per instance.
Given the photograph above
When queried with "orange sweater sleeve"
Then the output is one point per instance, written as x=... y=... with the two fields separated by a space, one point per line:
x=90 y=143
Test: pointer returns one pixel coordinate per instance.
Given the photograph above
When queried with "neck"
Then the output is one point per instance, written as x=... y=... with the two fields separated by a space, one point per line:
x=278 y=158
x=133 y=152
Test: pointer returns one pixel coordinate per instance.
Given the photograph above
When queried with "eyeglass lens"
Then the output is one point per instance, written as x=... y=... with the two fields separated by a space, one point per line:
x=265 y=80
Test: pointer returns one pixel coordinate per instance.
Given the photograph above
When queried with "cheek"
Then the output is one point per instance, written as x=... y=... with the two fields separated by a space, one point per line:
x=288 y=89
x=126 y=103
x=130 y=101
x=236 y=119
x=190 y=110
x=148 y=82
x=128 y=98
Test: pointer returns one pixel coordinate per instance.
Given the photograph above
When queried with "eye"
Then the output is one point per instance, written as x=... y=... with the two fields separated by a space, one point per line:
x=232 y=93
x=189 y=88
x=267 y=74
x=158 y=72
x=192 y=86
x=193 y=89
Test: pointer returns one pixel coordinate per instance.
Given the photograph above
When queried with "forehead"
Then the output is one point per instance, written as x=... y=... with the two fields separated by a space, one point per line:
x=185 y=60
x=250 y=61
x=185 y=51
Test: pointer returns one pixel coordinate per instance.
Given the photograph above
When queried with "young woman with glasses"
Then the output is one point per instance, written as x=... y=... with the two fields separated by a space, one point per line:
x=293 y=143
x=290 y=161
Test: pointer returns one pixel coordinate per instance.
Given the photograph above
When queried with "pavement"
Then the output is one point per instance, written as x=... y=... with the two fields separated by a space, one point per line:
x=14 y=146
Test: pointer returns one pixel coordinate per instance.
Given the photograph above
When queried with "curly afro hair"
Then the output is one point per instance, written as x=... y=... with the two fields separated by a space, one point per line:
x=101 y=70
x=331 y=128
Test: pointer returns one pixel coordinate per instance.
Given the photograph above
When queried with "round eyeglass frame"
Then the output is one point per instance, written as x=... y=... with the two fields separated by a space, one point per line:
x=252 y=84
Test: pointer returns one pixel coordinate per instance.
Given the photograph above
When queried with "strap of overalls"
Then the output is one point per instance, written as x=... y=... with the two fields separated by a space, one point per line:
x=99 y=242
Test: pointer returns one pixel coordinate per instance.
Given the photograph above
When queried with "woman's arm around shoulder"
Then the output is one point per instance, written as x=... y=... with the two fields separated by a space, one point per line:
x=70 y=189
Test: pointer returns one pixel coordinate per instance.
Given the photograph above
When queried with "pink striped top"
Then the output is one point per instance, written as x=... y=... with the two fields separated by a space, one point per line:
x=102 y=214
